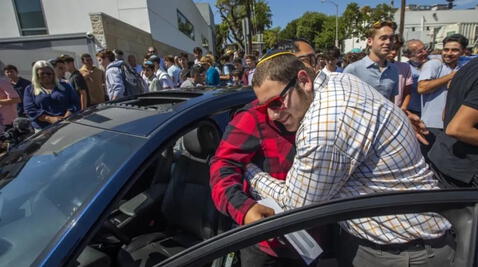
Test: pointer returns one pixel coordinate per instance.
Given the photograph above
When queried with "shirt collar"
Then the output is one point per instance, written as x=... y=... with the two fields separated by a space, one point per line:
x=369 y=62
x=320 y=81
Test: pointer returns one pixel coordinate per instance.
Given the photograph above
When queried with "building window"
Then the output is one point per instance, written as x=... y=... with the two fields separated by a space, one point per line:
x=30 y=17
x=413 y=29
x=428 y=28
x=185 y=26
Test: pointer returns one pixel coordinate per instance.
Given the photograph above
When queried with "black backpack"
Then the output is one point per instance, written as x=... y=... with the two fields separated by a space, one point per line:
x=133 y=83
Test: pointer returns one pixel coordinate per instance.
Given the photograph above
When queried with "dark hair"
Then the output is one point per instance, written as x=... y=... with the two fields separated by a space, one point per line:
x=332 y=53
x=378 y=25
x=67 y=58
x=462 y=40
x=281 y=68
x=291 y=44
x=169 y=58
x=10 y=67
x=251 y=57
x=55 y=61
x=398 y=42
x=184 y=55
x=197 y=50
x=236 y=73
x=106 y=54
x=148 y=66
x=83 y=56
x=196 y=69
x=237 y=60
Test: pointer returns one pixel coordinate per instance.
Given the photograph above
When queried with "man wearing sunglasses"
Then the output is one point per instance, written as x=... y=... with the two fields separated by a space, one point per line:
x=252 y=137
x=350 y=141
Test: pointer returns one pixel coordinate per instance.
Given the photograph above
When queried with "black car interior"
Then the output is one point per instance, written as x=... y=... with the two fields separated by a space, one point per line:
x=168 y=209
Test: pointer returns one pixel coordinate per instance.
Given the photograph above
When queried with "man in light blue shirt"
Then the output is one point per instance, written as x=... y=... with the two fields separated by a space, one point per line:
x=433 y=82
x=173 y=70
x=374 y=68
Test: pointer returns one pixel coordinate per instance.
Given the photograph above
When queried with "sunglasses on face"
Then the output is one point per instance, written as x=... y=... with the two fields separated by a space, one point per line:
x=310 y=59
x=45 y=73
x=277 y=103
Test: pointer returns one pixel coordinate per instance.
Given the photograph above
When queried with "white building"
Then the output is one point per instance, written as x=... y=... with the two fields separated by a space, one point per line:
x=432 y=24
x=179 y=23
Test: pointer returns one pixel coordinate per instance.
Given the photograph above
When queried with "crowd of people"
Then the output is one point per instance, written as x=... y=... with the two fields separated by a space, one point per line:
x=323 y=126
x=315 y=134
x=58 y=88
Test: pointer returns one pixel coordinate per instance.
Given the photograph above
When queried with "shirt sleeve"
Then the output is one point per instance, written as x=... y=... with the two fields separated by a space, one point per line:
x=408 y=76
x=115 y=83
x=317 y=174
x=238 y=146
x=9 y=90
x=430 y=70
x=31 y=109
x=471 y=99
x=79 y=83
x=350 y=69
x=74 y=100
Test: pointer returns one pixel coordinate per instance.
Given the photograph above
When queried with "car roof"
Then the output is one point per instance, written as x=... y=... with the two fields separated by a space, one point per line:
x=140 y=115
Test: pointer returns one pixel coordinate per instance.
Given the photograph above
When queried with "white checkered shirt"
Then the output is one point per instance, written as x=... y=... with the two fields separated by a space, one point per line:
x=352 y=141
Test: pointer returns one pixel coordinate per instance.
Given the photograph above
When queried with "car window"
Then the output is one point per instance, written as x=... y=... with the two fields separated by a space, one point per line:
x=47 y=181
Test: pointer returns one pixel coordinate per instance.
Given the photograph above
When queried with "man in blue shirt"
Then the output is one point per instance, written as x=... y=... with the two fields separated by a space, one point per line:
x=433 y=82
x=417 y=54
x=374 y=68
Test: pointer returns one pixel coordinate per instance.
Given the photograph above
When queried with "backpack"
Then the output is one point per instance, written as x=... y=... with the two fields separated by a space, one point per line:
x=133 y=83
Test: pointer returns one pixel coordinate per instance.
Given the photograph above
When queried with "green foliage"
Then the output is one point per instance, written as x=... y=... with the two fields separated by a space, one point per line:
x=290 y=31
x=271 y=37
x=356 y=19
x=233 y=12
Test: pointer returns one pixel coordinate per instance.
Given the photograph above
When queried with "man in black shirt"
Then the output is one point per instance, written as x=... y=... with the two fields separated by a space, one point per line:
x=19 y=84
x=77 y=81
x=454 y=155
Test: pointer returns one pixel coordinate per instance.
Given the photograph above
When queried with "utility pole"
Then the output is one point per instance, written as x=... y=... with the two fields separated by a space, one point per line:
x=402 y=24
x=336 y=21
x=249 y=26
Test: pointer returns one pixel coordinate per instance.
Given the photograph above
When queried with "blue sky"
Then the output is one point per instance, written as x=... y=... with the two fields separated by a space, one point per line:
x=283 y=11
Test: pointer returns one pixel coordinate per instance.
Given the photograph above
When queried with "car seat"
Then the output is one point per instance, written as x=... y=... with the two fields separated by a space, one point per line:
x=187 y=205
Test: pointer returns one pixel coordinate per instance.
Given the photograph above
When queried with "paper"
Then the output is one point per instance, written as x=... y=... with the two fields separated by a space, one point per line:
x=302 y=241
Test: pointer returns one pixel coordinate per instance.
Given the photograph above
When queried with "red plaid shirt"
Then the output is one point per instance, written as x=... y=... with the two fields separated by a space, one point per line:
x=249 y=137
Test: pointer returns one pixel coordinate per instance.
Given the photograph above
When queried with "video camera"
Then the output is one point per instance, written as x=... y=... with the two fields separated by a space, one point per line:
x=22 y=128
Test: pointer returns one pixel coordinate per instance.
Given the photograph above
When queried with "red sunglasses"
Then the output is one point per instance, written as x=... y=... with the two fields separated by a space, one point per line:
x=277 y=103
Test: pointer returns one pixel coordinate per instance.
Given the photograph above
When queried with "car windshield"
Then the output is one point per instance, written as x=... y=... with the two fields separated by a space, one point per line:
x=48 y=180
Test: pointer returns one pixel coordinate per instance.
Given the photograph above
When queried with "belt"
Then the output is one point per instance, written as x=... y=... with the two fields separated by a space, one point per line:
x=413 y=245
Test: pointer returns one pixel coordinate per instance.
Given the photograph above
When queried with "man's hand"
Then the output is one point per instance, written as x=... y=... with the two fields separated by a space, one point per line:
x=257 y=212
x=419 y=127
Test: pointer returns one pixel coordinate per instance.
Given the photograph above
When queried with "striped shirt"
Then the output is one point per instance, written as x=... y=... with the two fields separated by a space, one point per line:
x=351 y=142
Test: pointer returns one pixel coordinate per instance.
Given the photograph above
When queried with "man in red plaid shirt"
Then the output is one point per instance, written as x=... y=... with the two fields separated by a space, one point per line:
x=252 y=137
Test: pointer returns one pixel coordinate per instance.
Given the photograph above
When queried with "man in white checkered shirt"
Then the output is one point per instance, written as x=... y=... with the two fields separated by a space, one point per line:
x=351 y=141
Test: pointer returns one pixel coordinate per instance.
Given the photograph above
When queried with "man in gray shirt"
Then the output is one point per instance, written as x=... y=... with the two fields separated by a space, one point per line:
x=433 y=82
x=374 y=68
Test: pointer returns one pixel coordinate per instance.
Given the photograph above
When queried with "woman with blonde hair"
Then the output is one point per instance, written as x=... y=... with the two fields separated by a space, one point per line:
x=48 y=100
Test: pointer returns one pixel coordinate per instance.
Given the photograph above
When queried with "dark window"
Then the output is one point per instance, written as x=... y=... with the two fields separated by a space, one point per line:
x=30 y=17
x=413 y=29
x=185 y=26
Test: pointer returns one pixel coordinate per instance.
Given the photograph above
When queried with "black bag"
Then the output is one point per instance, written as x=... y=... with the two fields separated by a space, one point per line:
x=133 y=83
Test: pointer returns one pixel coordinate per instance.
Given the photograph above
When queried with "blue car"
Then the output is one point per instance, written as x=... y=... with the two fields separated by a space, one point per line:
x=126 y=183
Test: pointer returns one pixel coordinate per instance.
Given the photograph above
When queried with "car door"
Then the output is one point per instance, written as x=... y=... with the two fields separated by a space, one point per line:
x=458 y=206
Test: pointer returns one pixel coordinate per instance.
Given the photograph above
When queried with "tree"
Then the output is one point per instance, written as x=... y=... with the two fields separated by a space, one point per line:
x=290 y=31
x=357 y=20
x=271 y=37
x=233 y=12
